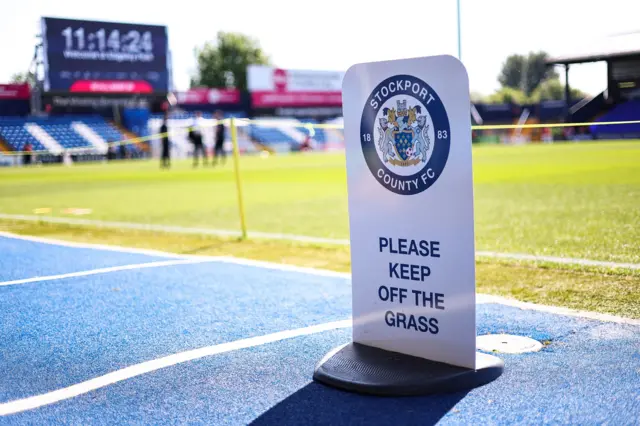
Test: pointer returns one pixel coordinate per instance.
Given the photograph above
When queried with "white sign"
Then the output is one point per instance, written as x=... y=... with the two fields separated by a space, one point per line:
x=266 y=78
x=409 y=172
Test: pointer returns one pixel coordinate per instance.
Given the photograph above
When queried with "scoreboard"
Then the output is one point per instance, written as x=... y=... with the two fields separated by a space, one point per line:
x=105 y=57
x=624 y=78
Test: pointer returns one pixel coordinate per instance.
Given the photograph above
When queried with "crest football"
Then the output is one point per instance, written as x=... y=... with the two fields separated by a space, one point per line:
x=405 y=134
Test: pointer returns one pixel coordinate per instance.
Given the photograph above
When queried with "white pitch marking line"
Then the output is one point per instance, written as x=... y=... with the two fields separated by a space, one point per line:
x=555 y=259
x=480 y=298
x=74 y=244
x=29 y=403
x=299 y=238
x=558 y=310
x=104 y=271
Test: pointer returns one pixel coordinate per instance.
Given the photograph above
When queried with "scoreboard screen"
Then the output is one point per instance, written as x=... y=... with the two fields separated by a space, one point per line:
x=104 y=57
x=624 y=78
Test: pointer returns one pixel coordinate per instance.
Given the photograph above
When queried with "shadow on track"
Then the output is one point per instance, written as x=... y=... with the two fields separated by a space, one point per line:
x=317 y=404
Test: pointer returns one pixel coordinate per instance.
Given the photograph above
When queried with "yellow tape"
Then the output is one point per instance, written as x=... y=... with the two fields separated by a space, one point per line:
x=241 y=122
x=550 y=125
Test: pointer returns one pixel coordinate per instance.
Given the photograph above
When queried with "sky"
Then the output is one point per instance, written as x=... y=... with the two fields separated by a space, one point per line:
x=333 y=35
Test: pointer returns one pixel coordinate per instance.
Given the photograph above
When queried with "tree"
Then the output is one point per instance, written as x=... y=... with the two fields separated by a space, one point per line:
x=511 y=73
x=224 y=63
x=553 y=90
x=526 y=72
x=508 y=95
x=477 y=97
x=536 y=71
x=23 y=77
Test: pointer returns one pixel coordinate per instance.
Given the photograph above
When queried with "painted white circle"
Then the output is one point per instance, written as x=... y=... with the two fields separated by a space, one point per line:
x=410 y=161
x=507 y=343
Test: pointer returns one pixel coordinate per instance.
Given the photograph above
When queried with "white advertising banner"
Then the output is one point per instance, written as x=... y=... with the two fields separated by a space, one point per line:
x=275 y=87
x=266 y=78
x=410 y=184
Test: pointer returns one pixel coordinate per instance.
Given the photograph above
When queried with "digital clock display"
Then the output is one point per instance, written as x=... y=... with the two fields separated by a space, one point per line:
x=104 y=51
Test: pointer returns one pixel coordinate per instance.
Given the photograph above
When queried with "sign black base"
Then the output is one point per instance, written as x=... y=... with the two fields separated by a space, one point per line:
x=364 y=369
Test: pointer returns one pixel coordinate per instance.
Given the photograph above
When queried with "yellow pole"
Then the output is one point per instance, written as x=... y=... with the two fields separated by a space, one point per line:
x=236 y=163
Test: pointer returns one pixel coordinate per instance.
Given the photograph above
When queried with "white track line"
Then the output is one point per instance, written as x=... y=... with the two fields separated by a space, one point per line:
x=16 y=406
x=301 y=238
x=92 y=246
x=104 y=271
x=480 y=298
x=173 y=229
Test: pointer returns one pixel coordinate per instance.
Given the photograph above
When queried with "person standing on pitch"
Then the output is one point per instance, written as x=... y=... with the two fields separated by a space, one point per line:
x=219 y=146
x=165 y=161
x=198 y=145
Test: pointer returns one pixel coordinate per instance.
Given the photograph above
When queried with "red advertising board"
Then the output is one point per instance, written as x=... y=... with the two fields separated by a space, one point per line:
x=295 y=99
x=111 y=86
x=15 y=91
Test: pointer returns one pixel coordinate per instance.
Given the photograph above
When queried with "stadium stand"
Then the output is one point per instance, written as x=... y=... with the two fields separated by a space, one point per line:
x=589 y=108
x=318 y=135
x=58 y=133
x=68 y=138
x=104 y=129
x=292 y=132
x=13 y=131
x=178 y=123
x=285 y=133
x=627 y=111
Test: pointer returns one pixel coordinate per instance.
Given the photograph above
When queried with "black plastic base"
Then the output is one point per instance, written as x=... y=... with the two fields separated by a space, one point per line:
x=364 y=369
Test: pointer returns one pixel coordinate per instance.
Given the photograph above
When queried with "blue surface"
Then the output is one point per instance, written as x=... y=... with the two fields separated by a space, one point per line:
x=61 y=332
x=21 y=259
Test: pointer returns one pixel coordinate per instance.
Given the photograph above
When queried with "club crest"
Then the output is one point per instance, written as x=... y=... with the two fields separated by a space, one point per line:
x=403 y=134
x=411 y=129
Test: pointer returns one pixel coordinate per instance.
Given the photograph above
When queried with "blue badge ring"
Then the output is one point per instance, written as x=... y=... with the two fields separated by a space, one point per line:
x=429 y=174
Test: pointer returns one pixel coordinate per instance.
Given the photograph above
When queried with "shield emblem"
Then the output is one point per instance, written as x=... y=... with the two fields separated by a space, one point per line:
x=403 y=139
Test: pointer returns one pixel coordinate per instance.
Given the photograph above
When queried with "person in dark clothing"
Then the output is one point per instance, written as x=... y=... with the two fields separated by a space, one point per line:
x=196 y=138
x=26 y=159
x=123 y=151
x=165 y=161
x=219 y=146
x=111 y=152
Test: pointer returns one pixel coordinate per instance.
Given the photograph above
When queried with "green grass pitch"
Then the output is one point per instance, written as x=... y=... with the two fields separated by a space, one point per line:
x=566 y=199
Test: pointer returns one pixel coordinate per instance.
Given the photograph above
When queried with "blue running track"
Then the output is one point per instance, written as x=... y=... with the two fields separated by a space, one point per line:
x=66 y=340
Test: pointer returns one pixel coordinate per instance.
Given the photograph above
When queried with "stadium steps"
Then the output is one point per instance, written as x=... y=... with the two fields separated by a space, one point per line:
x=92 y=137
x=289 y=128
x=590 y=109
x=334 y=138
x=44 y=138
x=4 y=146
x=246 y=144
x=526 y=133
x=144 y=146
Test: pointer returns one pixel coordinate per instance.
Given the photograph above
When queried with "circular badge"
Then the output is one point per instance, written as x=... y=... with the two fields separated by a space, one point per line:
x=405 y=134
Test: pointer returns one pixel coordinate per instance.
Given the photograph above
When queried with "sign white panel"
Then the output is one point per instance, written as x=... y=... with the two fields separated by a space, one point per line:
x=410 y=183
x=266 y=78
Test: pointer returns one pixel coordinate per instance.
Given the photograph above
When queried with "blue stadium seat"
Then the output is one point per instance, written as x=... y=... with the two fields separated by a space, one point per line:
x=319 y=134
x=17 y=136
x=65 y=135
x=628 y=111
x=60 y=128
x=269 y=135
